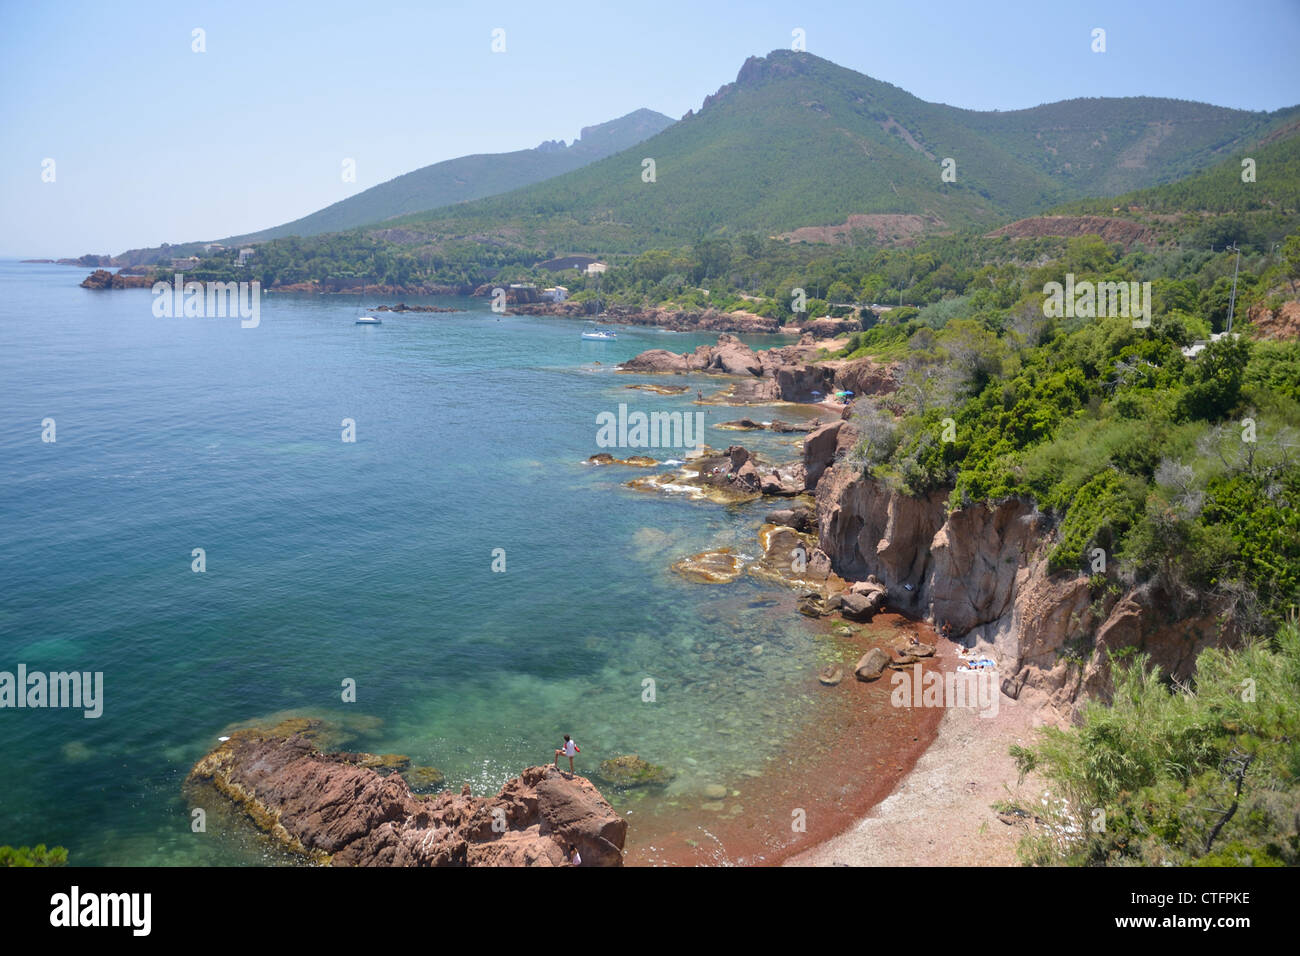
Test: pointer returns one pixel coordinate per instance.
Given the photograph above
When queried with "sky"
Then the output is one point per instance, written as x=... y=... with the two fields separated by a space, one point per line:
x=154 y=142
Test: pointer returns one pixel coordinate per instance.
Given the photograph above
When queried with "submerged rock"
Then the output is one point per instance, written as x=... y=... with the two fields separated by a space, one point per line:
x=831 y=674
x=786 y=427
x=635 y=461
x=630 y=770
x=711 y=567
x=388 y=762
x=425 y=779
x=659 y=389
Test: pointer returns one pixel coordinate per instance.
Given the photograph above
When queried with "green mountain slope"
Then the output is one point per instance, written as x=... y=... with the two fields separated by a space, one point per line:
x=1221 y=189
x=798 y=141
x=470 y=177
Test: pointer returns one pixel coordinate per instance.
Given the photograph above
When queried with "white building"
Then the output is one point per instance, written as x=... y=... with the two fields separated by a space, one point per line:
x=595 y=267
x=556 y=293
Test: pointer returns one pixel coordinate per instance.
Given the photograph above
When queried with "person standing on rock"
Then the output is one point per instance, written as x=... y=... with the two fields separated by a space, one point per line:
x=569 y=749
x=574 y=858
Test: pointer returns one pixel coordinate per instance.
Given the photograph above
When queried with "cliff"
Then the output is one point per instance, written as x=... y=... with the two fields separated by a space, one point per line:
x=984 y=570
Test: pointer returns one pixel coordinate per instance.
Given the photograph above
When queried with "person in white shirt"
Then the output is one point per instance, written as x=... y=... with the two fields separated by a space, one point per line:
x=574 y=858
x=569 y=749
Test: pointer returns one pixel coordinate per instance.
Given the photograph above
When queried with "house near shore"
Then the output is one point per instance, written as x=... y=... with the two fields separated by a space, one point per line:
x=244 y=256
x=556 y=293
x=187 y=263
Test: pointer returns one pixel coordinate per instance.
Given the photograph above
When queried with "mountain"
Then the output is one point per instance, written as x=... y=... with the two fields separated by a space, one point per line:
x=441 y=184
x=797 y=141
x=471 y=177
x=1274 y=188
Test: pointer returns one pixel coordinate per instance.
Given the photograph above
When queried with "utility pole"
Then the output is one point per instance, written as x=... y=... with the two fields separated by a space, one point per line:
x=1232 y=300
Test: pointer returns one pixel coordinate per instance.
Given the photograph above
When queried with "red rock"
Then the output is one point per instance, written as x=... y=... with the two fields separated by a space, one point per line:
x=347 y=815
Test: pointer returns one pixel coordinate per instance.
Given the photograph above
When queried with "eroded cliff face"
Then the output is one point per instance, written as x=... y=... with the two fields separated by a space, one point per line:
x=984 y=570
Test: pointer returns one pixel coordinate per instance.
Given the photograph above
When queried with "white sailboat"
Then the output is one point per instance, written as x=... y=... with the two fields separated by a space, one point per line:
x=596 y=332
x=367 y=319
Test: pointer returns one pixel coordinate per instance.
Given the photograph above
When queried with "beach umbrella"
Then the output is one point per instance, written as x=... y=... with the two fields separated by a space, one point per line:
x=848 y=393
x=815 y=392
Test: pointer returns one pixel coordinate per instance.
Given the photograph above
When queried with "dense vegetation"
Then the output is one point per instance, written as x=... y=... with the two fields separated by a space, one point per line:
x=1206 y=774
x=1178 y=469
x=33 y=856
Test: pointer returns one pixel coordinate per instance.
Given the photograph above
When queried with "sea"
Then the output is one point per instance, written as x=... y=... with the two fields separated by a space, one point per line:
x=455 y=584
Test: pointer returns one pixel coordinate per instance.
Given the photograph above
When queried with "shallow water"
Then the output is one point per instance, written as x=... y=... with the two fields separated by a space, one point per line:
x=369 y=561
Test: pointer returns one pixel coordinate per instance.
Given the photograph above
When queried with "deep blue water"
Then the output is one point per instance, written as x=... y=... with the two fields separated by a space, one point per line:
x=328 y=560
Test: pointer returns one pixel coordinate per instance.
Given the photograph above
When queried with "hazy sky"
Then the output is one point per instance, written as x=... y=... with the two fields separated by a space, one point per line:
x=153 y=142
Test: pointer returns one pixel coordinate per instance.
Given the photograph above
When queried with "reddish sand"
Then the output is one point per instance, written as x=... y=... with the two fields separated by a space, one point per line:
x=854 y=757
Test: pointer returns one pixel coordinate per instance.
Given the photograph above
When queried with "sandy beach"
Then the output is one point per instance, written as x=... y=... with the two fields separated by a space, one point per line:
x=940 y=814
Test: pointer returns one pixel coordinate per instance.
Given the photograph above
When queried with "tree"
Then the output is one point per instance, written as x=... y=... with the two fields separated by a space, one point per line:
x=33 y=856
x=1291 y=259
x=879 y=436
x=1214 y=379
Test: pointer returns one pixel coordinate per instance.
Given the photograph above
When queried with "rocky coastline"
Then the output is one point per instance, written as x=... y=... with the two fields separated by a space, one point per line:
x=847 y=546
x=791 y=373
x=339 y=809
x=980 y=572
x=738 y=321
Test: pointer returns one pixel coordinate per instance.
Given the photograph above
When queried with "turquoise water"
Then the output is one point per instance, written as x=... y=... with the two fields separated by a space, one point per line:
x=370 y=561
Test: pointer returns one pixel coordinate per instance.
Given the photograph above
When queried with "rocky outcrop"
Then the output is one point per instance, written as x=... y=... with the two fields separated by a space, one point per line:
x=403 y=307
x=824 y=447
x=1282 y=323
x=800 y=517
x=678 y=320
x=663 y=362
x=711 y=567
x=338 y=812
x=789 y=373
x=103 y=279
x=631 y=461
x=862 y=376
x=829 y=328
x=729 y=477
x=863 y=600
